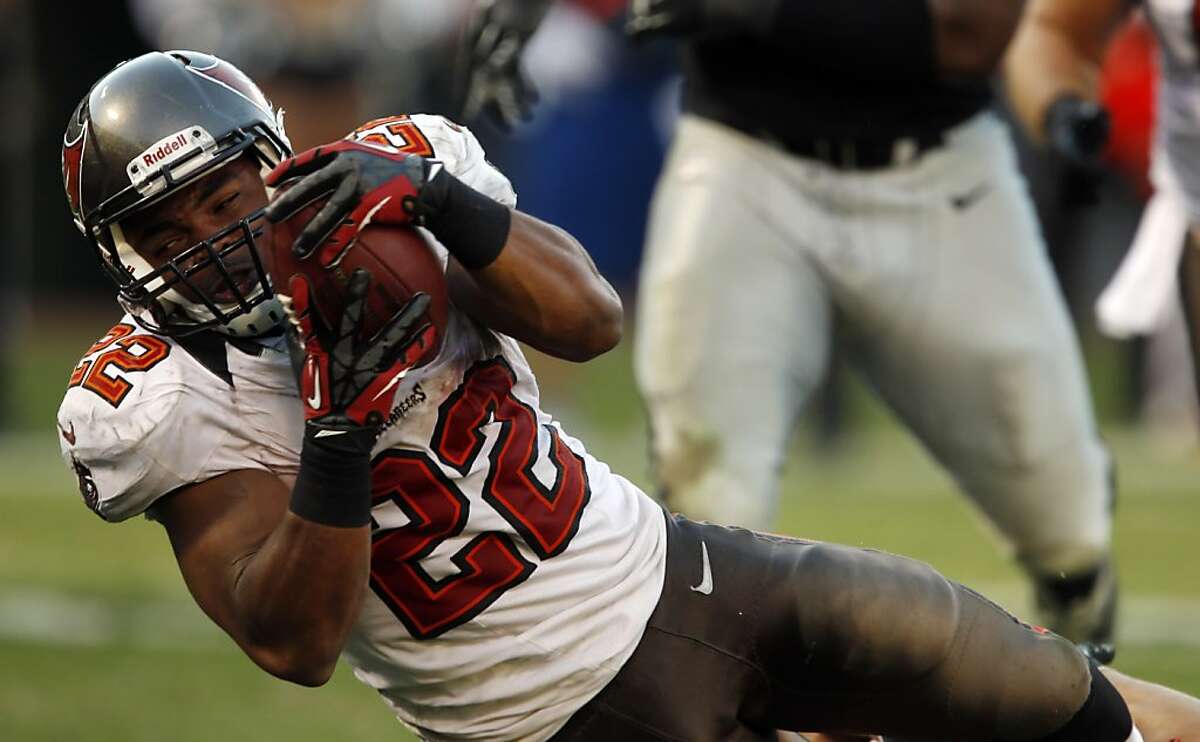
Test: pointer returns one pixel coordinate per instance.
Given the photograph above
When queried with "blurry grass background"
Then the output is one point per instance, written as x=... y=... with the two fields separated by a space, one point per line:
x=100 y=641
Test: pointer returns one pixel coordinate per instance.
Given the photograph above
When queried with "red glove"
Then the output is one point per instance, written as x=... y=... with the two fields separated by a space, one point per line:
x=365 y=184
x=347 y=383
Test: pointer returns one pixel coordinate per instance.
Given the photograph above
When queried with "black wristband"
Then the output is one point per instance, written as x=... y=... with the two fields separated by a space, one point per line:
x=859 y=39
x=333 y=487
x=473 y=227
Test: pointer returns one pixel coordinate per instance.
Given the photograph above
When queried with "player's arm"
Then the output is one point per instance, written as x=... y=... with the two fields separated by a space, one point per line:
x=510 y=271
x=285 y=588
x=1054 y=61
x=852 y=39
x=544 y=290
x=284 y=572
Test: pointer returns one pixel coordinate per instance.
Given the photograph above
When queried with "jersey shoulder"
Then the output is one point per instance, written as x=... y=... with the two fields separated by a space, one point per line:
x=135 y=419
x=438 y=137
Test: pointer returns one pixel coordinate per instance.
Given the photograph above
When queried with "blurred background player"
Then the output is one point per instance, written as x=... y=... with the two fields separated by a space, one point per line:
x=1053 y=83
x=838 y=160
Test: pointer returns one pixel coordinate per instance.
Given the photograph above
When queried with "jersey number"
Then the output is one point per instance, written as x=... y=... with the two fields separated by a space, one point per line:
x=398 y=134
x=132 y=353
x=546 y=517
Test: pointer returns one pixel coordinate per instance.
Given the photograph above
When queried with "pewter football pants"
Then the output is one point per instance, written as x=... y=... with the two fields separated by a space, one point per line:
x=754 y=633
x=938 y=269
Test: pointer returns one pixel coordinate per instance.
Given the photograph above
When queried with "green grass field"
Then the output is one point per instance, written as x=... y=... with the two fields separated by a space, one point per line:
x=100 y=641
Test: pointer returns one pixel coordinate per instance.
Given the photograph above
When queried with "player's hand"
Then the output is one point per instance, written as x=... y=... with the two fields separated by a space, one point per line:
x=490 y=61
x=1077 y=133
x=651 y=18
x=365 y=184
x=1077 y=130
x=348 y=382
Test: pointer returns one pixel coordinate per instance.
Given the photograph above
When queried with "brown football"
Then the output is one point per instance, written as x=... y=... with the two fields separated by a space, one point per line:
x=400 y=261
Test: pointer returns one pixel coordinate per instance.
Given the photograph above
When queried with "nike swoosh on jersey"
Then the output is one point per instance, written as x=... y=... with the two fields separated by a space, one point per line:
x=706 y=581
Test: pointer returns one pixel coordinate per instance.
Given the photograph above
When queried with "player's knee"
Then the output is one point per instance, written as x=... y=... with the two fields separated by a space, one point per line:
x=875 y=615
x=706 y=475
x=1038 y=412
x=1103 y=717
x=1027 y=682
x=1041 y=688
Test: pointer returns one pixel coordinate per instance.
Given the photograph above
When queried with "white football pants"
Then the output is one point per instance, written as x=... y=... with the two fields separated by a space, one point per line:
x=939 y=271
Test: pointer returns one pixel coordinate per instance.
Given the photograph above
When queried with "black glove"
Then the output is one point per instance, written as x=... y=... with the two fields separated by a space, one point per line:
x=1077 y=130
x=490 y=60
x=650 y=18
x=1077 y=133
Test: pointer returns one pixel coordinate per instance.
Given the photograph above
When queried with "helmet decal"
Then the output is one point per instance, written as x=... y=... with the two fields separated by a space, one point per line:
x=72 y=165
x=231 y=78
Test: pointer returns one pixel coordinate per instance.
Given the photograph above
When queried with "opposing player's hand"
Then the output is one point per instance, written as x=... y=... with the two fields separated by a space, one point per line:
x=1077 y=134
x=651 y=18
x=493 y=81
x=365 y=184
x=348 y=382
x=1078 y=130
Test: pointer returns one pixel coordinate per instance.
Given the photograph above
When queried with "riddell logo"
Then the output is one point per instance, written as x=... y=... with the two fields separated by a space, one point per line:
x=164 y=150
x=145 y=169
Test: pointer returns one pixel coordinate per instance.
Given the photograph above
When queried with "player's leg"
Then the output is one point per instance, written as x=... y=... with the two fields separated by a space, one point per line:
x=755 y=632
x=988 y=373
x=733 y=324
x=858 y=641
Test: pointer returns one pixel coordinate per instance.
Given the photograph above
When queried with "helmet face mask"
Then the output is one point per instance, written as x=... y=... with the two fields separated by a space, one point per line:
x=219 y=283
x=149 y=129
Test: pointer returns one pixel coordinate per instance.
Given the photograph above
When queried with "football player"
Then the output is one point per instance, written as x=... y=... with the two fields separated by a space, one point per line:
x=430 y=523
x=800 y=185
x=1051 y=74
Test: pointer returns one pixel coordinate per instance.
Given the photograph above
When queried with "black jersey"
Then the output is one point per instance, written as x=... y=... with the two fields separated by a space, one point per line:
x=742 y=83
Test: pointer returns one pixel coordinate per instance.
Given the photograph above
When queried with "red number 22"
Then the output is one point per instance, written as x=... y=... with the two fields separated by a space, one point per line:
x=546 y=517
x=132 y=353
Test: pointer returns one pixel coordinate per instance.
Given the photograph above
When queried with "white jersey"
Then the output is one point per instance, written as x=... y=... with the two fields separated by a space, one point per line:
x=512 y=573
